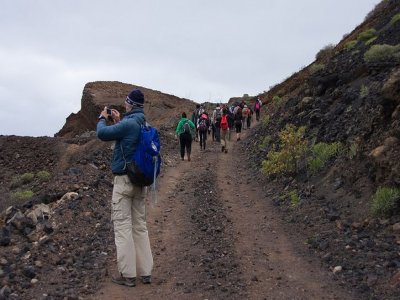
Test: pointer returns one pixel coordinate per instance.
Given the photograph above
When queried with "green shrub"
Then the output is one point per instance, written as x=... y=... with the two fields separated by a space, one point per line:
x=382 y=53
x=325 y=52
x=385 y=201
x=43 y=175
x=395 y=19
x=265 y=142
x=22 y=195
x=19 y=180
x=367 y=35
x=265 y=121
x=276 y=98
x=353 y=149
x=350 y=45
x=364 y=91
x=26 y=177
x=316 y=68
x=278 y=101
x=371 y=40
x=294 y=198
x=321 y=153
x=292 y=148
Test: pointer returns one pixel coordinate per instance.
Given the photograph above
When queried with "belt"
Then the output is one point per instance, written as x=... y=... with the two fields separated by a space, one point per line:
x=119 y=174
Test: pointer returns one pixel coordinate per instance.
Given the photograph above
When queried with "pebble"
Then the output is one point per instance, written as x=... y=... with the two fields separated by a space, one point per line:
x=337 y=269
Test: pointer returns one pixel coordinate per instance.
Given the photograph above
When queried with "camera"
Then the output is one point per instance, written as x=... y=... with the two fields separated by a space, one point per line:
x=109 y=111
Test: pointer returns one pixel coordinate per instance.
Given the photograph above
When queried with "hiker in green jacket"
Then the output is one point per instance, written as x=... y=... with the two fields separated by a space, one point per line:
x=184 y=132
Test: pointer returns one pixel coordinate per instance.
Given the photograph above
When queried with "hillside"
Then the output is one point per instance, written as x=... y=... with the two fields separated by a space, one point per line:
x=287 y=213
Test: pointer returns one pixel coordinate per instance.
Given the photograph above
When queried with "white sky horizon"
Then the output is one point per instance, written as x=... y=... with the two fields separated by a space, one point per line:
x=200 y=50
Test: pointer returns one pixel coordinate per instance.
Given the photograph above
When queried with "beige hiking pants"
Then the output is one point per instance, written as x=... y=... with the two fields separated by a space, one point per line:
x=130 y=230
x=224 y=134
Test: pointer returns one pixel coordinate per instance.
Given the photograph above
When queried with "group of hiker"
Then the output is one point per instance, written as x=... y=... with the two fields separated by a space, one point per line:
x=219 y=124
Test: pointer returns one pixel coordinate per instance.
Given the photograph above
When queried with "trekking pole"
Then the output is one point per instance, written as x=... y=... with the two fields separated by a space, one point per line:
x=153 y=186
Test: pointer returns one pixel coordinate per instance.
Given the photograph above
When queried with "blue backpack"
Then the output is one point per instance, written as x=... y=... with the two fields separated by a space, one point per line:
x=146 y=160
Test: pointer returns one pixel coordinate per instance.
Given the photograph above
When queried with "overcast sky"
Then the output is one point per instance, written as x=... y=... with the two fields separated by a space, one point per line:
x=204 y=50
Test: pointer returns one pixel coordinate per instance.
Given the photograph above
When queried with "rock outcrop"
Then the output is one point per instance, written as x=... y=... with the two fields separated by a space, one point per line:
x=162 y=110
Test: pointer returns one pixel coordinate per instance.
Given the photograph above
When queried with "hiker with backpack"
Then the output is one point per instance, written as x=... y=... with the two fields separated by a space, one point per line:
x=195 y=118
x=224 y=130
x=249 y=116
x=134 y=257
x=216 y=121
x=184 y=132
x=257 y=108
x=231 y=121
x=245 y=114
x=238 y=122
x=203 y=125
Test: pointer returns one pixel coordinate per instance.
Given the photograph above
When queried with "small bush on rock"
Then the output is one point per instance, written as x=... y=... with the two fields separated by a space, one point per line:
x=43 y=175
x=277 y=101
x=325 y=52
x=292 y=148
x=27 y=177
x=385 y=201
x=353 y=149
x=20 y=180
x=294 y=198
x=364 y=91
x=350 y=45
x=367 y=35
x=382 y=53
x=265 y=121
x=395 y=19
x=321 y=153
x=370 y=41
x=316 y=68
x=22 y=195
x=265 y=142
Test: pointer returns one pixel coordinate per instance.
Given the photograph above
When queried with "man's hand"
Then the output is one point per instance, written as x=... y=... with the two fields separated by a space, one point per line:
x=115 y=115
x=104 y=113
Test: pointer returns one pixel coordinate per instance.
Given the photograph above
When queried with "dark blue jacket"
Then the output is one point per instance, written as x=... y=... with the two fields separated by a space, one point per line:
x=126 y=136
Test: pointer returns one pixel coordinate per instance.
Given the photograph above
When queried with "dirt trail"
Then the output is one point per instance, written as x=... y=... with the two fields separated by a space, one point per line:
x=215 y=235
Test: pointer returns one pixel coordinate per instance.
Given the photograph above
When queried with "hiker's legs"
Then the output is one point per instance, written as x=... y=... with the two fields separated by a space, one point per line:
x=248 y=122
x=183 y=144
x=238 y=130
x=218 y=134
x=189 y=147
x=122 y=196
x=258 y=115
x=144 y=258
x=203 y=138
x=223 y=138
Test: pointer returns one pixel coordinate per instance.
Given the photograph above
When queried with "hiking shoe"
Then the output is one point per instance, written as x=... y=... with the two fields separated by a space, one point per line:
x=121 y=280
x=226 y=150
x=146 y=279
x=222 y=149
